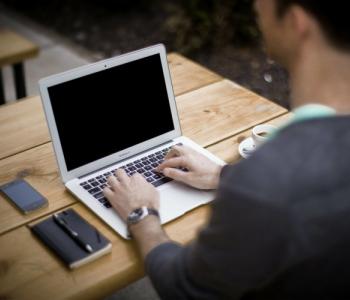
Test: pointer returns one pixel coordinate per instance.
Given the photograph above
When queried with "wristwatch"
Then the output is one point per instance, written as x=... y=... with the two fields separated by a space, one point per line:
x=140 y=213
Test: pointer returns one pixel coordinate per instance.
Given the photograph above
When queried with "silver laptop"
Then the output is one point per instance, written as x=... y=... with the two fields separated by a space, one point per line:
x=118 y=113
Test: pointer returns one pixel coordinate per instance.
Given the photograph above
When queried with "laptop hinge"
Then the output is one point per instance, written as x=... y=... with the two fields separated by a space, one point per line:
x=120 y=161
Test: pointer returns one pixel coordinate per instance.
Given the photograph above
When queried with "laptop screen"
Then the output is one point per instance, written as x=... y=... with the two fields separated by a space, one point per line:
x=111 y=110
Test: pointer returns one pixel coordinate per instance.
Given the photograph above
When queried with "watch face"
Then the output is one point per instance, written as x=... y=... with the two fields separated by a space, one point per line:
x=135 y=214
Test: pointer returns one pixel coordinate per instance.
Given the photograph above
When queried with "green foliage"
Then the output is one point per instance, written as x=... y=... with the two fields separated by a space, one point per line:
x=203 y=23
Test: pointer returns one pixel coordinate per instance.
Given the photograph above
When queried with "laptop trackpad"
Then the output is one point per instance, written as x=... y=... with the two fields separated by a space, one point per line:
x=176 y=199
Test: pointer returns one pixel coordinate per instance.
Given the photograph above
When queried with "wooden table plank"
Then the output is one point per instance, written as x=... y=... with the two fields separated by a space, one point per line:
x=218 y=111
x=33 y=272
x=187 y=75
x=38 y=166
x=227 y=150
x=23 y=124
x=15 y=48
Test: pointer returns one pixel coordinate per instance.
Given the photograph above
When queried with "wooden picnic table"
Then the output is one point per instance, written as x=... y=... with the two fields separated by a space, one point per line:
x=214 y=111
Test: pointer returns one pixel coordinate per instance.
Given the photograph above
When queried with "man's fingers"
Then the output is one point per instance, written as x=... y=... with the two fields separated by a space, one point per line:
x=171 y=153
x=122 y=176
x=175 y=174
x=107 y=192
x=175 y=151
x=175 y=162
x=113 y=182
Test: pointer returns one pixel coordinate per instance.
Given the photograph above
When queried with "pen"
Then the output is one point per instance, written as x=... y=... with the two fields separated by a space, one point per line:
x=73 y=234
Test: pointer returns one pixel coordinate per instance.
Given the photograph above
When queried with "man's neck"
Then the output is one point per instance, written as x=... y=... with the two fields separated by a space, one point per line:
x=321 y=76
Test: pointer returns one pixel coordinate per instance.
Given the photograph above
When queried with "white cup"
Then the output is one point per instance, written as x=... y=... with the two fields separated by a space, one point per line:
x=261 y=133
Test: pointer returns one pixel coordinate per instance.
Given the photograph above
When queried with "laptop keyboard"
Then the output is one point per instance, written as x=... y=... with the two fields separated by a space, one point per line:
x=144 y=166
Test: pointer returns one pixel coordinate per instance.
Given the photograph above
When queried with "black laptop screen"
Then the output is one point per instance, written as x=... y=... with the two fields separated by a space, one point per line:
x=108 y=111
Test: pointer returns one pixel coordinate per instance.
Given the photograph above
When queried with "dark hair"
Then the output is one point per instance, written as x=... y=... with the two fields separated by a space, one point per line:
x=331 y=15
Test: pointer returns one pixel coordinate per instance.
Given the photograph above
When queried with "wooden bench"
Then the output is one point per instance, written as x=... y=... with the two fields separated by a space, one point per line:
x=14 y=49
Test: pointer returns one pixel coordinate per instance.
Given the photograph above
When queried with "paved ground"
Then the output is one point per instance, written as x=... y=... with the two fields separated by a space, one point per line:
x=57 y=55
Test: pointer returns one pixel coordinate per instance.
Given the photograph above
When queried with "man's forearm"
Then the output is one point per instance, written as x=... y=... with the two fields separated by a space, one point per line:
x=148 y=234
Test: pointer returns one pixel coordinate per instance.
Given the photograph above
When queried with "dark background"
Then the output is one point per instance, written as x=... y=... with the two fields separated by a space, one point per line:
x=220 y=34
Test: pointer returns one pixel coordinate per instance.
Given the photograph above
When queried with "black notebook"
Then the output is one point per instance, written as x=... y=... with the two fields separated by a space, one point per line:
x=66 y=247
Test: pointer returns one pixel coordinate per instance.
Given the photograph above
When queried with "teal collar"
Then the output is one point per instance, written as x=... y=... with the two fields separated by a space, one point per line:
x=308 y=112
x=312 y=111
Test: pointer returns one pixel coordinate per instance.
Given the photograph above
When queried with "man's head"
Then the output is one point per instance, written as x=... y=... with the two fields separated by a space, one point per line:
x=288 y=24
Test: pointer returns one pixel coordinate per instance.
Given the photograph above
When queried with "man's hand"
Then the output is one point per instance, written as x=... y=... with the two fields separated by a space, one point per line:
x=201 y=172
x=128 y=193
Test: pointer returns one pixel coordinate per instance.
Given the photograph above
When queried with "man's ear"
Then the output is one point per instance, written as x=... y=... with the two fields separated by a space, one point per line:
x=300 y=21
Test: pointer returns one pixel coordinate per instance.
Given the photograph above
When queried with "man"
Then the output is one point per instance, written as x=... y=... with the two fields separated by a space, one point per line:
x=280 y=224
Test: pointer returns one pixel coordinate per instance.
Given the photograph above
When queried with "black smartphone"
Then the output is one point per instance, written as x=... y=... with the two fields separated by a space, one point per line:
x=23 y=195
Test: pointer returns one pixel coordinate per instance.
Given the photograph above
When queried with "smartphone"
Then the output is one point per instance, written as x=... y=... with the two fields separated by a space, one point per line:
x=24 y=196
